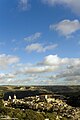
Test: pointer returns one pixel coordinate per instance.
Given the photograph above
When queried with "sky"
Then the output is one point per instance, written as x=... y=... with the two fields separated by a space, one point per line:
x=39 y=42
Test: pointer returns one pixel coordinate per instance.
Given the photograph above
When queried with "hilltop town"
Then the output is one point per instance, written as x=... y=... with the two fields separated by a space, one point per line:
x=39 y=102
x=44 y=103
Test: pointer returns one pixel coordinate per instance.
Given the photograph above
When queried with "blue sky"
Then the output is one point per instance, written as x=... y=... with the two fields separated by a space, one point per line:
x=39 y=42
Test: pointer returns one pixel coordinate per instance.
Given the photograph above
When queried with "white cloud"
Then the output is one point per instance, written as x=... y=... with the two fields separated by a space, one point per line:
x=50 y=63
x=68 y=69
x=37 y=69
x=74 y=5
x=52 y=69
x=6 y=75
x=51 y=60
x=39 y=47
x=6 y=60
x=24 y=5
x=69 y=75
x=33 y=37
x=66 y=27
x=54 y=60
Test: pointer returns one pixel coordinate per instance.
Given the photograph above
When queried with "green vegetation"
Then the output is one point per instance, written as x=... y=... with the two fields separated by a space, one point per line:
x=21 y=115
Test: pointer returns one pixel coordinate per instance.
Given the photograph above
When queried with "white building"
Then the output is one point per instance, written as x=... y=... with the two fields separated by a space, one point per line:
x=14 y=96
x=9 y=97
x=46 y=97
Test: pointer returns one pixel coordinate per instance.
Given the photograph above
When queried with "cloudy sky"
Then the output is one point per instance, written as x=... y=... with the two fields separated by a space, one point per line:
x=39 y=42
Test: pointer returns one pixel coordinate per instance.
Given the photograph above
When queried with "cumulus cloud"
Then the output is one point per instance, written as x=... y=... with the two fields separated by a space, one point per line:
x=52 y=69
x=51 y=63
x=66 y=27
x=11 y=78
x=6 y=60
x=24 y=5
x=33 y=37
x=68 y=73
x=56 y=60
x=36 y=69
x=68 y=69
x=74 y=5
x=39 y=47
x=70 y=76
x=6 y=75
x=7 y=78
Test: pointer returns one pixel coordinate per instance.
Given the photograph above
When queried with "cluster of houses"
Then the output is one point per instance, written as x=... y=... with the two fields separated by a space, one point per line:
x=43 y=103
